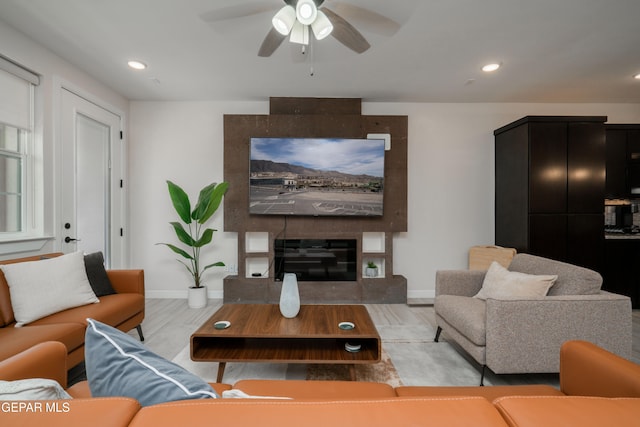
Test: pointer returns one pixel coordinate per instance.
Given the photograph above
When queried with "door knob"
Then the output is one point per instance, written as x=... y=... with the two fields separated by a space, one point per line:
x=70 y=239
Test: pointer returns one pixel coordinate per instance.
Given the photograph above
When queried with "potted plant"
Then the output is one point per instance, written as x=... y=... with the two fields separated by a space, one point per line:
x=371 y=270
x=192 y=233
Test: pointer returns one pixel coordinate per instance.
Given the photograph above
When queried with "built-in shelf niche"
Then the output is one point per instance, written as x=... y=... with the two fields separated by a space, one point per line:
x=373 y=242
x=257 y=242
x=379 y=262
x=374 y=250
x=256 y=267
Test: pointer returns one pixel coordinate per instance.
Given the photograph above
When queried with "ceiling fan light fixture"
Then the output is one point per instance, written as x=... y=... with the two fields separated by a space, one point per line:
x=321 y=27
x=306 y=11
x=299 y=34
x=283 y=20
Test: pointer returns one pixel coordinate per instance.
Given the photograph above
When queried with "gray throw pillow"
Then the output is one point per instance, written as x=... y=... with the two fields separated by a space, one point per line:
x=97 y=275
x=119 y=365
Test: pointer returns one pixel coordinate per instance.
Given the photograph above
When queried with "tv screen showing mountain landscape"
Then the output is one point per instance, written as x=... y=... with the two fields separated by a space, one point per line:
x=316 y=176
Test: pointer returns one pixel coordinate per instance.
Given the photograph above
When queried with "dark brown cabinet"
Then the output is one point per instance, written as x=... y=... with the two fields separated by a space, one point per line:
x=550 y=186
x=621 y=271
x=616 y=183
x=633 y=161
x=623 y=161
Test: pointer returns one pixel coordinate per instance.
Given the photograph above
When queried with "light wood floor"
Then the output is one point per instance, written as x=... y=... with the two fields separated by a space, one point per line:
x=407 y=333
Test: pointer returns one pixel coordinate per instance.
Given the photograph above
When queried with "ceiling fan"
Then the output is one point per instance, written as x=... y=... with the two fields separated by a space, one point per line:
x=301 y=19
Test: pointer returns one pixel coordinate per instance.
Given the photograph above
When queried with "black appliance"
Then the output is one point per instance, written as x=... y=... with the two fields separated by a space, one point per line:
x=618 y=219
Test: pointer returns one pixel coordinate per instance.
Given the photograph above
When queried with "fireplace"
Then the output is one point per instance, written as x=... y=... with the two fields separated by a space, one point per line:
x=317 y=260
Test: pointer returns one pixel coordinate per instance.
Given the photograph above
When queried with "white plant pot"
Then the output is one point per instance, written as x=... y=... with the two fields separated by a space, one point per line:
x=197 y=297
x=371 y=272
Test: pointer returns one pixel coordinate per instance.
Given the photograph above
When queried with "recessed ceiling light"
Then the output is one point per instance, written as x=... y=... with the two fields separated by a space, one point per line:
x=490 y=67
x=137 y=65
x=637 y=76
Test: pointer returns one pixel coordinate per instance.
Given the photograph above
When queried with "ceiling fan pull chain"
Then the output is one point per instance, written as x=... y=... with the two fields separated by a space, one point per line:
x=312 y=58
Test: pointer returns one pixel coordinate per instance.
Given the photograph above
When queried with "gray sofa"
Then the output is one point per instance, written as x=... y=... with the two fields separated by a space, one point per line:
x=524 y=335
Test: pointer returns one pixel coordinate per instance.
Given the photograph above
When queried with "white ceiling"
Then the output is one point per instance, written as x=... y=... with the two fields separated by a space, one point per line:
x=551 y=50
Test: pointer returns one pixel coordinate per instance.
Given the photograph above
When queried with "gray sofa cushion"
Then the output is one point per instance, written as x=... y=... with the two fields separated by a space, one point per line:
x=466 y=314
x=572 y=280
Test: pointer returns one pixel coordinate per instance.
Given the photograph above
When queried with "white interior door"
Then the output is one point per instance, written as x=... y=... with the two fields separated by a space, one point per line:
x=91 y=179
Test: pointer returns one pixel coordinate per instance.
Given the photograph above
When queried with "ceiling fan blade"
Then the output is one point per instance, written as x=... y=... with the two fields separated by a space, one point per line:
x=271 y=42
x=346 y=33
x=367 y=18
x=237 y=11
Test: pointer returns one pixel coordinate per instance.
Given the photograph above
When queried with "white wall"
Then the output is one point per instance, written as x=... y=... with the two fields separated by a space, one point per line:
x=182 y=142
x=54 y=72
x=451 y=180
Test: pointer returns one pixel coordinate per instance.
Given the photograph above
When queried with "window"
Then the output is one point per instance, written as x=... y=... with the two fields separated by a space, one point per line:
x=12 y=142
x=17 y=86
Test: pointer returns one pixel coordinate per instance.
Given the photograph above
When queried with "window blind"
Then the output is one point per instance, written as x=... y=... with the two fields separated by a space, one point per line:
x=15 y=87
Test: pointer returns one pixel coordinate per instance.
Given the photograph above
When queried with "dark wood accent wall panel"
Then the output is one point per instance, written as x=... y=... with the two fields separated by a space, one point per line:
x=309 y=118
x=239 y=129
x=306 y=106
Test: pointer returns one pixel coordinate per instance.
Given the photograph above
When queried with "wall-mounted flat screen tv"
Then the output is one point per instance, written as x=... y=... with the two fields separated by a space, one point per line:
x=316 y=176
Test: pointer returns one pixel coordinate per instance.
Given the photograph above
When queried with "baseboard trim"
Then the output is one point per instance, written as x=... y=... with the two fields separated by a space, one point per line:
x=218 y=294
x=173 y=294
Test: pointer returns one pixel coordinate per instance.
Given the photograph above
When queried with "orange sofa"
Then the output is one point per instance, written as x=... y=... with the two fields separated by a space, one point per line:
x=596 y=388
x=123 y=310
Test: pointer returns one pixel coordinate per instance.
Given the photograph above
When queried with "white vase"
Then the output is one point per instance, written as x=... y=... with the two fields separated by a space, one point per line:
x=289 y=296
x=197 y=297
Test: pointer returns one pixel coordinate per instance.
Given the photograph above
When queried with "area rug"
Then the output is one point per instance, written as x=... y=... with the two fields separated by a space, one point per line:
x=384 y=371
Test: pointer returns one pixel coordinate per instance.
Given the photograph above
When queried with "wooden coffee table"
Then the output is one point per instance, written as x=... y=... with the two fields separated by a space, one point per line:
x=259 y=333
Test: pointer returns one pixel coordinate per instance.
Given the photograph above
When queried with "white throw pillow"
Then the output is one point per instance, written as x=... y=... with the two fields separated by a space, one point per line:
x=32 y=389
x=500 y=283
x=41 y=288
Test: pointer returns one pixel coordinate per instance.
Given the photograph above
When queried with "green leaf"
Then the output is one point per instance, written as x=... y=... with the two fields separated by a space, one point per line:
x=180 y=202
x=206 y=238
x=182 y=234
x=216 y=199
x=216 y=264
x=204 y=200
x=177 y=250
x=188 y=267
